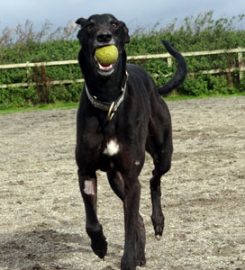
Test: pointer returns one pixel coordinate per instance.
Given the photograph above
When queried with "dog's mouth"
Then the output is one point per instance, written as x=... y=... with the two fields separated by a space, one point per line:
x=104 y=69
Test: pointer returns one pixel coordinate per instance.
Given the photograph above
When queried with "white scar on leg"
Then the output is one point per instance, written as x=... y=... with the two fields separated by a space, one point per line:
x=89 y=187
x=112 y=148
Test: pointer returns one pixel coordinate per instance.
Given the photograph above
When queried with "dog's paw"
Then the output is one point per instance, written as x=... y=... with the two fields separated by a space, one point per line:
x=141 y=261
x=158 y=231
x=99 y=246
x=140 y=255
x=128 y=264
x=98 y=241
x=158 y=224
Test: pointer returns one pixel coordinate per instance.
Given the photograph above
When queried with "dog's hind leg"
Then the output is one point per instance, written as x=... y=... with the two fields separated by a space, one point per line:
x=116 y=182
x=88 y=188
x=161 y=152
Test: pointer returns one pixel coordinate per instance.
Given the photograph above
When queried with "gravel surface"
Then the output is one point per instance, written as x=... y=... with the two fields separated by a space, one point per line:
x=42 y=215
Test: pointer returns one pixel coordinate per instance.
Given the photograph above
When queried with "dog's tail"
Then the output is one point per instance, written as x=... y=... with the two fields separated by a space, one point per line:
x=180 y=73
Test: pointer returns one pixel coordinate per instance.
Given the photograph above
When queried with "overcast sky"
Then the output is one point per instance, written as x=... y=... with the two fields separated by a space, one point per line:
x=134 y=13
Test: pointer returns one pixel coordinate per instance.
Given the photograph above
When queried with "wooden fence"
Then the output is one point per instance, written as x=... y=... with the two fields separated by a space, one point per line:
x=240 y=68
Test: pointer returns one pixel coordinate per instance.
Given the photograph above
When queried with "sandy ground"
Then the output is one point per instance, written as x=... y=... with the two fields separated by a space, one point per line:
x=42 y=216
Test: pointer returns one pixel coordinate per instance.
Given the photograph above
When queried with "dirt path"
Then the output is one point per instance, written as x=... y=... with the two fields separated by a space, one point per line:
x=41 y=214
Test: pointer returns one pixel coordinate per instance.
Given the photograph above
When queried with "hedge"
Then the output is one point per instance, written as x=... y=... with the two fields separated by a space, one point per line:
x=202 y=32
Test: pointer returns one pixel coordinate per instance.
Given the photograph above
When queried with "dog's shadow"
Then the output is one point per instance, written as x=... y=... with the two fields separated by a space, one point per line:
x=45 y=249
x=39 y=249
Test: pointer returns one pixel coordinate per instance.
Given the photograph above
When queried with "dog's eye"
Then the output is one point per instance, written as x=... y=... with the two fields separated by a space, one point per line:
x=115 y=25
x=89 y=27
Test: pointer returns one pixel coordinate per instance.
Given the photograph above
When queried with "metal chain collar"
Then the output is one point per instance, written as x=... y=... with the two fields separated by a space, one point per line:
x=110 y=107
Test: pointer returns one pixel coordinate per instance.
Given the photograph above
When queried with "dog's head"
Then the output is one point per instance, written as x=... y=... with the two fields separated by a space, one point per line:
x=98 y=31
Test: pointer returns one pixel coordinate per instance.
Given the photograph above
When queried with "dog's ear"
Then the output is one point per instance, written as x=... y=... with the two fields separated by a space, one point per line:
x=125 y=32
x=81 y=22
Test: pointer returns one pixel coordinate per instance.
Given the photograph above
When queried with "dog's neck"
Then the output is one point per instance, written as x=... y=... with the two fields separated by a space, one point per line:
x=104 y=88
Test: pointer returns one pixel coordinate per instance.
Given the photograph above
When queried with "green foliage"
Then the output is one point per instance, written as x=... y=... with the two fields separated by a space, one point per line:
x=69 y=93
x=207 y=85
x=202 y=32
x=33 y=95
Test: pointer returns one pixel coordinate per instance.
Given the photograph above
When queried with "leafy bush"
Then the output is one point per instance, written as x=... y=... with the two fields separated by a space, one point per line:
x=207 y=85
x=65 y=93
x=202 y=32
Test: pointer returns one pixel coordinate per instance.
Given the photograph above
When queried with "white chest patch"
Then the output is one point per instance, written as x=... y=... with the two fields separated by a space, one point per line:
x=112 y=148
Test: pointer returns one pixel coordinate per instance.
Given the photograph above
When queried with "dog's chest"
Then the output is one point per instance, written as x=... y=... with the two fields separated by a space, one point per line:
x=107 y=144
x=111 y=147
x=103 y=139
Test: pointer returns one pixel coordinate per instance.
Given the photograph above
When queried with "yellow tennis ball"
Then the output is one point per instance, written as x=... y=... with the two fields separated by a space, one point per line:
x=107 y=55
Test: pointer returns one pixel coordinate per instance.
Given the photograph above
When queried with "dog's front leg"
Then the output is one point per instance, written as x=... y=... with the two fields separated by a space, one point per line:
x=131 y=214
x=117 y=183
x=88 y=188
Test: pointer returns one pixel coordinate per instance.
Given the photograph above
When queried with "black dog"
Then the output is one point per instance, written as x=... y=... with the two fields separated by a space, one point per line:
x=121 y=114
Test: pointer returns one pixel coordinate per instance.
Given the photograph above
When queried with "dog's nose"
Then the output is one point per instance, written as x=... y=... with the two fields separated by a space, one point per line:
x=104 y=37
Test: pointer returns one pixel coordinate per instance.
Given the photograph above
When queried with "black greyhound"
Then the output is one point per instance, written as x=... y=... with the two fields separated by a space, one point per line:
x=121 y=114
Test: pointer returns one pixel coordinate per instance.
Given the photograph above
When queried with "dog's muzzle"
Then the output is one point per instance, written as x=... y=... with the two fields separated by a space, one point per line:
x=104 y=70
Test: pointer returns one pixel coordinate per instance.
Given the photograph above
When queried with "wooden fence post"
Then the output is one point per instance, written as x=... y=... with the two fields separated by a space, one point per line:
x=240 y=65
x=170 y=62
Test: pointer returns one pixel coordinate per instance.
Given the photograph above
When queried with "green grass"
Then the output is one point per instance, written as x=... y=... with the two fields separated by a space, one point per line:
x=74 y=105
x=186 y=97
x=42 y=107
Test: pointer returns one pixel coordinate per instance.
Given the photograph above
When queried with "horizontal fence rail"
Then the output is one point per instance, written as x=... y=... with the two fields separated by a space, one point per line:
x=239 y=51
